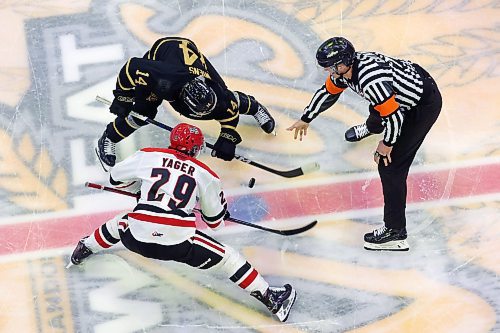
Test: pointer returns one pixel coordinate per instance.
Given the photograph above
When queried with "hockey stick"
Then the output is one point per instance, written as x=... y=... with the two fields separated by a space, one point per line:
x=111 y=189
x=307 y=168
x=288 y=232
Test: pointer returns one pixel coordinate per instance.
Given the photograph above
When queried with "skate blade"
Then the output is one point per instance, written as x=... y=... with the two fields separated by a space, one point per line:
x=284 y=311
x=400 y=245
x=100 y=161
x=69 y=265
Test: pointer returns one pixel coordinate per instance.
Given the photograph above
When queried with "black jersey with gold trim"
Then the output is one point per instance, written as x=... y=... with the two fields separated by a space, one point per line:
x=166 y=68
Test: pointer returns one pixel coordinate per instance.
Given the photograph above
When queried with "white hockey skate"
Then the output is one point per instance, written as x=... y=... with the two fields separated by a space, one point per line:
x=106 y=152
x=265 y=120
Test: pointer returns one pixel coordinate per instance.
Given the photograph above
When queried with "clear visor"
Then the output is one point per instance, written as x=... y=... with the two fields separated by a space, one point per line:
x=207 y=106
x=331 y=69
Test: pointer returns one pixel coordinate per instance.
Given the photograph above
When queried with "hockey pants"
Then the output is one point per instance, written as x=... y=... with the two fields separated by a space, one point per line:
x=200 y=251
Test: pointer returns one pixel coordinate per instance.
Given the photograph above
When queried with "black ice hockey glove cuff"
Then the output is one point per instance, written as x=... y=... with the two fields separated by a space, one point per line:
x=146 y=108
x=225 y=146
x=230 y=135
x=122 y=103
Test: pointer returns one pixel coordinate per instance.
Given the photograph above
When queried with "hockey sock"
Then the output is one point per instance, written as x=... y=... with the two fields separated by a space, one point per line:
x=247 y=104
x=121 y=128
x=241 y=272
x=106 y=235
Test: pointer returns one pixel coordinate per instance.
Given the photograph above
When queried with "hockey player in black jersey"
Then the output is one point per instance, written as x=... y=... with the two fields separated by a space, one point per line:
x=162 y=225
x=176 y=71
x=404 y=104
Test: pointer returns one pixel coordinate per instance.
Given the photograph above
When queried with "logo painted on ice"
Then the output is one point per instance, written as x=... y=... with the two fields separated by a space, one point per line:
x=78 y=62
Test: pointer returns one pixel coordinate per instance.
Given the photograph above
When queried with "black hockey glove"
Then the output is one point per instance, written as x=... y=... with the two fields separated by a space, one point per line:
x=146 y=108
x=224 y=149
x=122 y=103
x=225 y=146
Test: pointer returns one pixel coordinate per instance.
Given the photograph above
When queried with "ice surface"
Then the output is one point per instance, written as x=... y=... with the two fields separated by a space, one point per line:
x=58 y=55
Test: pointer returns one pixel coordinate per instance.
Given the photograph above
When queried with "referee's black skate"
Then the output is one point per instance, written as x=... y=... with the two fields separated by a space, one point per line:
x=357 y=133
x=279 y=300
x=384 y=239
x=106 y=151
x=265 y=120
x=80 y=252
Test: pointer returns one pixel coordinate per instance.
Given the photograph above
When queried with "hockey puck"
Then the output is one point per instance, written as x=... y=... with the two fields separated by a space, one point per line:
x=251 y=182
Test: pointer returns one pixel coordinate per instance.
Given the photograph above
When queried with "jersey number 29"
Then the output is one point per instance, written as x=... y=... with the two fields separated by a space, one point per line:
x=183 y=189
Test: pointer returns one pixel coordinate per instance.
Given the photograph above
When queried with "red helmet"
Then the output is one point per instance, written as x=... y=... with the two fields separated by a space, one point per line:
x=187 y=138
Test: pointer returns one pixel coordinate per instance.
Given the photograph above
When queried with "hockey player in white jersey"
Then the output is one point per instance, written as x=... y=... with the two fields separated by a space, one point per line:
x=162 y=225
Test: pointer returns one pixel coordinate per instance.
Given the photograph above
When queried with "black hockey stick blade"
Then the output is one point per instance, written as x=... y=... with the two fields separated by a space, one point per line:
x=287 y=232
x=286 y=173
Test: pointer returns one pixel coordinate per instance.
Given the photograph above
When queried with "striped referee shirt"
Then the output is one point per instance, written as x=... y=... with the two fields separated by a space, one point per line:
x=392 y=86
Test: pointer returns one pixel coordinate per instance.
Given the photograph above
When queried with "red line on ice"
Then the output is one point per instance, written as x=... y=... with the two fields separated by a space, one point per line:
x=284 y=203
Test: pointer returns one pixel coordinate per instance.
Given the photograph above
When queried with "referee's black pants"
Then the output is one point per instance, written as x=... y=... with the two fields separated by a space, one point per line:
x=417 y=123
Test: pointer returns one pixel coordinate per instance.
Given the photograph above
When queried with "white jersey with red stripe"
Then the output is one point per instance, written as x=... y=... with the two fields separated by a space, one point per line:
x=171 y=185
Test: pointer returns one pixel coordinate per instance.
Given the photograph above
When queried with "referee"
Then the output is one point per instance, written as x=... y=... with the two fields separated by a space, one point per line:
x=404 y=104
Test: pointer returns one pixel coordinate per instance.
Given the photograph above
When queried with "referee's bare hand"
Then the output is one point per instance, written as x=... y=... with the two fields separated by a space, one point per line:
x=382 y=152
x=300 y=128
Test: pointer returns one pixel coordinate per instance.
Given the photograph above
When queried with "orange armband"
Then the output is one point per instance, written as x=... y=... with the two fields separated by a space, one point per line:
x=332 y=88
x=388 y=107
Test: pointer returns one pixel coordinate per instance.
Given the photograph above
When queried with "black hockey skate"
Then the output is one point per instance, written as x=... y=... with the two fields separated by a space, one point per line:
x=279 y=300
x=357 y=133
x=384 y=239
x=80 y=252
x=106 y=151
x=265 y=120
